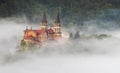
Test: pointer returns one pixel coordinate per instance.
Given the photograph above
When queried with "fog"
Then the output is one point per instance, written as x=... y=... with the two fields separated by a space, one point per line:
x=86 y=55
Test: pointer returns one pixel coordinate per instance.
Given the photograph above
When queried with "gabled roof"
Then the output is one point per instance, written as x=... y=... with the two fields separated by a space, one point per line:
x=29 y=37
x=39 y=31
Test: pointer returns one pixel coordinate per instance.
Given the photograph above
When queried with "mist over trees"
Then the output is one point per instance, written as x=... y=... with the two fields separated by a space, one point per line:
x=77 y=10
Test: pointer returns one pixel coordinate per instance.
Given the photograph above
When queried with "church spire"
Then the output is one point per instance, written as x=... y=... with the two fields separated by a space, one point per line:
x=57 y=20
x=44 y=20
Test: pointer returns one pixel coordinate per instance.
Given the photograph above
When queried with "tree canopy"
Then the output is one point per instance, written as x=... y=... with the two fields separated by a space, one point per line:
x=84 y=9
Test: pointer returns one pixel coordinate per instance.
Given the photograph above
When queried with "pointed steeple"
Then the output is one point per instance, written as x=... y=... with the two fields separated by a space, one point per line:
x=57 y=20
x=44 y=20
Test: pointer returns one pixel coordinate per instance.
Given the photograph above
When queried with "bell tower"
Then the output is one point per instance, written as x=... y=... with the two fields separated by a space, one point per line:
x=44 y=22
x=57 y=26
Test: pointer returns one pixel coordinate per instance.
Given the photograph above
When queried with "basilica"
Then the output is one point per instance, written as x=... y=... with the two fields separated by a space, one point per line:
x=43 y=33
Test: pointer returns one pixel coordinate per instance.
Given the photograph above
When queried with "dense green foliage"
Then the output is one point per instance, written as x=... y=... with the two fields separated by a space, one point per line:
x=84 y=9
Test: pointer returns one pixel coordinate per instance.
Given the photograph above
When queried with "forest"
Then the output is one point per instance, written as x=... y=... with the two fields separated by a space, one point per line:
x=77 y=10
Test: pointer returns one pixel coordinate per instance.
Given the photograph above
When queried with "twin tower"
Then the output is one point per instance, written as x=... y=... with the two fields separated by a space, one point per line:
x=56 y=26
x=39 y=36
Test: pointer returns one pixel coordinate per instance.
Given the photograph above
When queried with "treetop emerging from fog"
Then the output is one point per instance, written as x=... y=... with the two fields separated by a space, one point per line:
x=80 y=8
